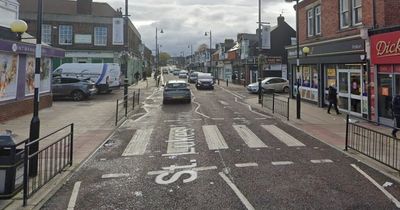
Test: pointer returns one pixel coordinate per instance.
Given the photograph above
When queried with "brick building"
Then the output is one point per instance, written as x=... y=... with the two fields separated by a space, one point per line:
x=336 y=32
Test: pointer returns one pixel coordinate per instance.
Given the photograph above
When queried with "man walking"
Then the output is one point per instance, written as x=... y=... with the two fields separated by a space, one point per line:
x=332 y=98
x=396 y=114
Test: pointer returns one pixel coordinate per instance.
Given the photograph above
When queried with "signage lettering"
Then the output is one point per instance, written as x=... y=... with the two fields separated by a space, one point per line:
x=388 y=48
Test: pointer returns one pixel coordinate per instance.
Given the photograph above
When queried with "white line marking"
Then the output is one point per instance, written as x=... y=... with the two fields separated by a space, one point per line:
x=138 y=143
x=261 y=118
x=244 y=200
x=251 y=109
x=224 y=103
x=249 y=137
x=171 y=121
x=281 y=163
x=181 y=140
x=214 y=138
x=74 y=196
x=155 y=172
x=207 y=168
x=390 y=196
x=283 y=136
x=234 y=94
x=177 y=154
x=220 y=119
x=242 y=165
x=108 y=176
x=198 y=107
x=239 y=118
x=322 y=161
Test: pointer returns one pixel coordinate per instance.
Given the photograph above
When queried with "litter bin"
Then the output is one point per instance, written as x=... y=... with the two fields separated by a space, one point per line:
x=11 y=166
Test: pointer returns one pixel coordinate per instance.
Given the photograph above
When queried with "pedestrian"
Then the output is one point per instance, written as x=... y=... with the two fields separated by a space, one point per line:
x=332 y=98
x=144 y=76
x=137 y=76
x=396 y=114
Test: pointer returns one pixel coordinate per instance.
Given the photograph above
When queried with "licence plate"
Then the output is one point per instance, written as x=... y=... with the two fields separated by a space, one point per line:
x=177 y=97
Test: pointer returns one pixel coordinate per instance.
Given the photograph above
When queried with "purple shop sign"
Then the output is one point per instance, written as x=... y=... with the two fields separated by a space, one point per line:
x=25 y=48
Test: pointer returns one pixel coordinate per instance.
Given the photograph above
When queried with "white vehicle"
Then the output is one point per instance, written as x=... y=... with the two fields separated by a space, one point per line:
x=106 y=76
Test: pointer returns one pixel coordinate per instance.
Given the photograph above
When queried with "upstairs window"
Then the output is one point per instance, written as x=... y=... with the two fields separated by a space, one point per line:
x=46 y=34
x=314 y=21
x=344 y=13
x=357 y=12
x=318 y=20
x=350 y=13
x=310 y=22
x=100 y=36
x=65 y=35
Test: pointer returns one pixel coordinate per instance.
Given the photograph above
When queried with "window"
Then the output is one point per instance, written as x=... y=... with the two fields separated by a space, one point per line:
x=344 y=14
x=65 y=34
x=350 y=13
x=357 y=12
x=314 y=21
x=100 y=36
x=310 y=22
x=46 y=34
x=318 y=20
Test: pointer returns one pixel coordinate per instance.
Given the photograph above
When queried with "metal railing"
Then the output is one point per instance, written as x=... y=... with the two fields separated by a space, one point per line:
x=369 y=140
x=48 y=161
x=122 y=111
x=276 y=103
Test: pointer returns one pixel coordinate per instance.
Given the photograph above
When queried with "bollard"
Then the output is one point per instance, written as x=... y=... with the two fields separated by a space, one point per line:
x=273 y=103
x=218 y=81
x=116 y=114
x=227 y=83
x=133 y=100
x=138 y=97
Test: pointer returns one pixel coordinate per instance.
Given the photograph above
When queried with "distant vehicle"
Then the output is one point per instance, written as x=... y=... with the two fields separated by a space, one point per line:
x=270 y=83
x=77 y=89
x=183 y=74
x=176 y=72
x=176 y=90
x=205 y=81
x=165 y=71
x=193 y=77
x=106 y=76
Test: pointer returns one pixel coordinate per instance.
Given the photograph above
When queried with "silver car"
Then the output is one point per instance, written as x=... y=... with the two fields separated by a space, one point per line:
x=270 y=83
x=176 y=90
x=77 y=89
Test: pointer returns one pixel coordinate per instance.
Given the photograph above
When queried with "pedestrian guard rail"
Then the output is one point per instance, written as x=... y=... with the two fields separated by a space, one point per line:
x=276 y=103
x=371 y=139
x=41 y=164
x=125 y=105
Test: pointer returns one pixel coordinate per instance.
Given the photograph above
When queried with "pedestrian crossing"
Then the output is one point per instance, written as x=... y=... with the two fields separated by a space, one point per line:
x=182 y=140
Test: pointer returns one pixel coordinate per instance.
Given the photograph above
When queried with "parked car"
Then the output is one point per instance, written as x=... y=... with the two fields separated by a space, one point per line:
x=193 y=77
x=77 y=89
x=270 y=83
x=176 y=90
x=205 y=81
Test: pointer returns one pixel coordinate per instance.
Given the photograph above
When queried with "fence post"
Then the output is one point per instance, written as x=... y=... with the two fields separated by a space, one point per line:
x=288 y=102
x=133 y=101
x=273 y=103
x=26 y=175
x=126 y=105
x=116 y=114
x=138 y=97
x=262 y=100
x=227 y=82
x=347 y=132
x=71 y=150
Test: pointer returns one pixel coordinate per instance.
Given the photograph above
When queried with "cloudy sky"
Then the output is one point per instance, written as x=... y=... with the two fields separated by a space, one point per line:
x=185 y=21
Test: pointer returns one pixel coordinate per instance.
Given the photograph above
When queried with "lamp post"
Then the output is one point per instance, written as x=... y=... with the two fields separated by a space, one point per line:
x=206 y=34
x=191 y=54
x=298 y=97
x=19 y=27
x=260 y=53
x=157 y=50
x=125 y=55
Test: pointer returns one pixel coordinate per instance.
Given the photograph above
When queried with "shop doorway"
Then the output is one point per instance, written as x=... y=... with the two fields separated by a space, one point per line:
x=388 y=87
x=350 y=88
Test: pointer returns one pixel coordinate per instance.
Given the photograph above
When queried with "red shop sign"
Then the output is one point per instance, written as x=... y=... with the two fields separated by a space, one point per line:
x=385 y=48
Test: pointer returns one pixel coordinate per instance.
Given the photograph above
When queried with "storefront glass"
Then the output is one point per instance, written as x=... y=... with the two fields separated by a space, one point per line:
x=308 y=77
x=351 y=88
x=388 y=87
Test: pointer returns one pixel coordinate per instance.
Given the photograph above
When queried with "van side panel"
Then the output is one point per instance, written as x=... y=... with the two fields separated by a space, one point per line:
x=103 y=74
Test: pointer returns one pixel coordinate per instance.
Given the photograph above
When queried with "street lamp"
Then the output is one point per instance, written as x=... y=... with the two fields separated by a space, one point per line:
x=125 y=55
x=260 y=53
x=157 y=50
x=191 y=54
x=19 y=27
x=298 y=97
x=206 y=34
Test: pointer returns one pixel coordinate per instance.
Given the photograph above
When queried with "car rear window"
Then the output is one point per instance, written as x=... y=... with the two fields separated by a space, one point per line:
x=176 y=85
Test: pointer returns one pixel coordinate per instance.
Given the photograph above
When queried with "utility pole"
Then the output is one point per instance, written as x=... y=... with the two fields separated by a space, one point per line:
x=260 y=53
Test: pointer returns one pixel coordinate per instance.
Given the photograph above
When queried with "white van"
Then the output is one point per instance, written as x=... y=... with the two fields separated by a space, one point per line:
x=106 y=76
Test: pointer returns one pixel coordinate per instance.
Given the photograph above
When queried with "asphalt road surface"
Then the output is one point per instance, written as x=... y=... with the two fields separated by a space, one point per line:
x=217 y=153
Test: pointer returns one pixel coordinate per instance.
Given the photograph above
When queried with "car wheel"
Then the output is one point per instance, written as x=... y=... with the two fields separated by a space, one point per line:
x=286 y=89
x=78 y=95
x=108 y=91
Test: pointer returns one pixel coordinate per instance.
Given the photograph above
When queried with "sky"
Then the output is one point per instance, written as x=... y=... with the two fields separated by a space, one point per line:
x=184 y=22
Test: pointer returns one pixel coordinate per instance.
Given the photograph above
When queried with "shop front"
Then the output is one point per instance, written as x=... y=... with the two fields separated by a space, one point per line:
x=385 y=60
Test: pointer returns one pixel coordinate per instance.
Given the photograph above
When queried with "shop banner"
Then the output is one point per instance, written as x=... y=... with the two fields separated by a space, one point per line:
x=45 y=70
x=385 y=48
x=8 y=76
x=118 y=31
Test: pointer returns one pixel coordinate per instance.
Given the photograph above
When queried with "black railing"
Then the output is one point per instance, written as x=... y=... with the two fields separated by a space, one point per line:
x=55 y=154
x=276 y=103
x=122 y=111
x=367 y=138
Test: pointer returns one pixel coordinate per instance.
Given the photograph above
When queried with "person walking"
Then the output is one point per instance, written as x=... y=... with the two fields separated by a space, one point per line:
x=396 y=114
x=332 y=98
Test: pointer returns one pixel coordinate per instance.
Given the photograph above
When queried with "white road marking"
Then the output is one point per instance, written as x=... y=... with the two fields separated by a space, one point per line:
x=192 y=152
x=214 y=138
x=239 y=118
x=234 y=94
x=138 y=143
x=218 y=119
x=207 y=168
x=242 y=165
x=166 y=121
x=261 y=118
x=198 y=107
x=242 y=198
x=74 y=196
x=390 y=196
x=181 y=140
x=322 y=161
x=249 y=137
x=283 y=136
x=155 y=172
x=108 y=176
x=224 y=103
x=251 y=109
x=281 y=163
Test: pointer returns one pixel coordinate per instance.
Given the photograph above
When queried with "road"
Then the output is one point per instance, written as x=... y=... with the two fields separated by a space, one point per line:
x=217 y=153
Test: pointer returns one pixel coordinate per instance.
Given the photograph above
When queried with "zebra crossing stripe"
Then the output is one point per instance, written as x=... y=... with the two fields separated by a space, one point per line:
x=283 y=136
x=138 y=143
x=249 y=137
x=214 y=138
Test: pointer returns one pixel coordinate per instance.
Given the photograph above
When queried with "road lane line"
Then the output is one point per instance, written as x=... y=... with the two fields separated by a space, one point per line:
x=321 y=161
x=218 y=119
x=283 y=136
x=242 y=165
x=249 y=137
x=74 y=196
x=109 y=176
x=260 y=118
x=198 y=107
x=390 y=196
x=224 y=103
x=242 y=198
x=251 y=109
x=234 y=94
x=281 y=163
x=206 y=168
x=138 y=143
x=214 y=138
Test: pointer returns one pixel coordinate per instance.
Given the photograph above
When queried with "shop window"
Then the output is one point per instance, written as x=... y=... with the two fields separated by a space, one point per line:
x=308 y=77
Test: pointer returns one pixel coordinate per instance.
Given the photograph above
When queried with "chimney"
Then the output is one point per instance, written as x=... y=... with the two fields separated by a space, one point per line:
x=84 y=7
x=281 y=20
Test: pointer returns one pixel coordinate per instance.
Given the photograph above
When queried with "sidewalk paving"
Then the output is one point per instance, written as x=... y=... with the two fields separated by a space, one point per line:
x=93 y=123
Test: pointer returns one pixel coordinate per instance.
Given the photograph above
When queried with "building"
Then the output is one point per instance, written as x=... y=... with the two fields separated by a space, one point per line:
x=17 y=67
x=86 y=30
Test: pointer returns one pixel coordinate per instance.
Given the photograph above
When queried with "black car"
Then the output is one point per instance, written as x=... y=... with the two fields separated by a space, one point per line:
x=205 y=81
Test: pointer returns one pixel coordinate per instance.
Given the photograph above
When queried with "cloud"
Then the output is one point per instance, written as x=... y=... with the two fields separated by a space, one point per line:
x=185 y=21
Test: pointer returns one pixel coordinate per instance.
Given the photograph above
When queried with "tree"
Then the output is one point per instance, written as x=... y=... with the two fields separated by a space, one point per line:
x=164 y=57
x=202 y=47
